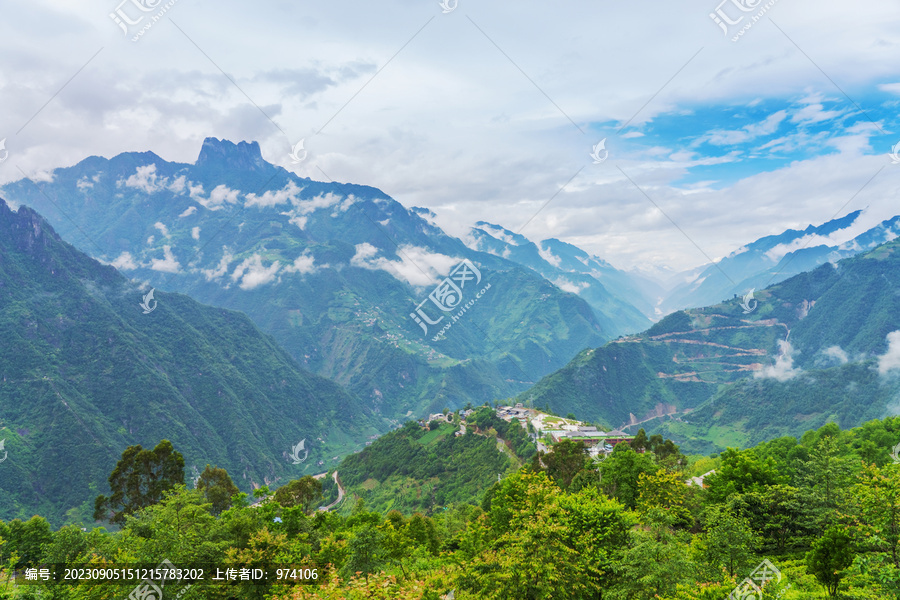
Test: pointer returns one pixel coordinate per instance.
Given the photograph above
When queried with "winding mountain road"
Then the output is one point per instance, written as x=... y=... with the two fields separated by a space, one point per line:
x=340 y=497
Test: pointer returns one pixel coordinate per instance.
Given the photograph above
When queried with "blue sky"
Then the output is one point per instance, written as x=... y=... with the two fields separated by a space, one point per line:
x=758 y=134
x=490 y=111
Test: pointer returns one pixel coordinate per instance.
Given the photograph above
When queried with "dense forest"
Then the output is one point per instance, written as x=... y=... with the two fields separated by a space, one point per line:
x=814 y=517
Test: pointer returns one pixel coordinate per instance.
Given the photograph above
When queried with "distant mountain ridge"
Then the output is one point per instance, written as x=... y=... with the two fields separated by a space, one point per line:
x=624 y=302
x=335 y=272
x=818 y=346
x=85 y=372
x=774 y=258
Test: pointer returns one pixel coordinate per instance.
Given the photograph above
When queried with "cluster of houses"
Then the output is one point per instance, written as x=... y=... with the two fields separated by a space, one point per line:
x=558 y=429
x=547 y=428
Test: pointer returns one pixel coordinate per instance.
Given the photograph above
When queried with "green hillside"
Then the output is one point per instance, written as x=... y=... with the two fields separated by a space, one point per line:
x=714 y=376
x=84 y=374
x=332 y=271
x=415 y=469
x=805 y=518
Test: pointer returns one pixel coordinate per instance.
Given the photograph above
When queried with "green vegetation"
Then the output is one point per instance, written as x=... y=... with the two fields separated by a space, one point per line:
x=709 y=364
x=85 y=375
x=139 y=480
x=817 y=515
x=340 y=320
x=413 y=469
x=513 y=434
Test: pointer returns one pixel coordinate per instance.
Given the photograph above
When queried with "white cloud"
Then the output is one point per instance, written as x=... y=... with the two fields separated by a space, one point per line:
x=890 y=360
x=43 y=176
x=221 y=195
x=298 y=221
x=84 y=183
x=195 y=233
x=498 y=153
x=783 y=369
x=767 y=126
x=251 y=273
x=892 y=88
x=837 y=353
x=162 y=229
x=303 y=264
x=417 y=266
x=222 y=267
x=289 y=193
x=167 y=264
x=178 y=185
x=499 y=233
x=188 y=211
x=548 y=255
x=145 y=179
x=568 y=286
x=125 y=262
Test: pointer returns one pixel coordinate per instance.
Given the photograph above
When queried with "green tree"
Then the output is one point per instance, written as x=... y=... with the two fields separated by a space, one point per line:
x=140 y=479
x=640 y=441
x=875 y=516
x=825 y=478
x=655 y=562
x=564 y=461
x=28 y=540
x=365 y=552
x=621 y=471
x=729 y=541
x=305 y=492
x=533 y=552
x=830 y=556
x=666 y=491
x=217 y=487
x=741 y=471
x=778 y=512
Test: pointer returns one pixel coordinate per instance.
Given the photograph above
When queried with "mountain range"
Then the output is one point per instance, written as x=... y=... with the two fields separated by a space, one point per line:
x=92 y=363
x=407 y=320
x=820 y=346
x=774 y=258
x=353 y=285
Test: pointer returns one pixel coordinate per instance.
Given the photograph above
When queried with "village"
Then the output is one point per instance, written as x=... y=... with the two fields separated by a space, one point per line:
x=546 y=429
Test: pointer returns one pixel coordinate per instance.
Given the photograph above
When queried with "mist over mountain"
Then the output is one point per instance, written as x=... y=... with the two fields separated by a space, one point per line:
x=817 y=347
x=92 y=364
x=619 y=299
x=341 y=275
x=775 y=258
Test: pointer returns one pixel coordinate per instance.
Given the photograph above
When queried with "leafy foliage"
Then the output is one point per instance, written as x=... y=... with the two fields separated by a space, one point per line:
x=140 y=479
x=534 y=538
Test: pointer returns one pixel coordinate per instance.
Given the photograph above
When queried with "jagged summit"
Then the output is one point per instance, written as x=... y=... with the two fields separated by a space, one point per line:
x=243 y=155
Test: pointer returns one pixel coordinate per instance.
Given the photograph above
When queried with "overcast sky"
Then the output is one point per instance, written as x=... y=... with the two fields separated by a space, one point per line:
x=490 y=111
